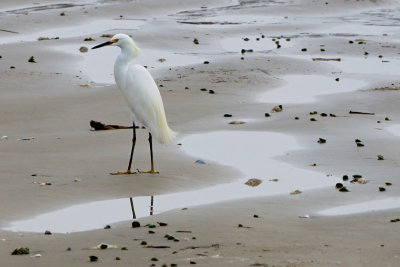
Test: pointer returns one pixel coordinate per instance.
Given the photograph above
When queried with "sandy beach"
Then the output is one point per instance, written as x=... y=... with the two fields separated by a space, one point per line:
x=332 y=65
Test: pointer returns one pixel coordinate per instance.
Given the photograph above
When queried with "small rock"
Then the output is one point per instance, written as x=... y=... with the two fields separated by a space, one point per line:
x=227 y=115
x=117 y=258
x=199 y=161
x=76 y=180
x=36 y=256
x=107 y=227
x=124 y=248
x=343 y=189
x=103 y=246
x=382 y=189
x=296 y=118
x=278 y=108
x=151 y=225
x=337 y=79
x=47 y=232
x=380 y=157
x=240 y=225
x=143 y=243
x=20 y=251
x=31 y=60
x=395 y=220
x=162 y=224
x=295 y=192
x=84 y=85
x=304 y=50
x=195 y=41
x=313 y=119
x=237 y=122
x=62 y=14
x=192 y=262
x=106 y=35
x=93 y=258
x=360 y=144
x=135 y=224
x=267 y=115
x=246 y=39
x=83 y=49
x=345 y=178
x=253 y=182
x=323 y=115
x=339 y=185
x=89 y=39
x=203 y=89
x=206 y=62
x=388 y=184
x=332 y=115
x=387 y=119
x=362 y=181
x=255 y=216
x=351 y=42
x=321 y=140
x=151 y=232
x=211 y=91
x=154 y=259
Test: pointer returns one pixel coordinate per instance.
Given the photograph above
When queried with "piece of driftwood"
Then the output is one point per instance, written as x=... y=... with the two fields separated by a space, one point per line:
x=195 y=247
x=326 y=59
x=361 y=113
x=98 y=126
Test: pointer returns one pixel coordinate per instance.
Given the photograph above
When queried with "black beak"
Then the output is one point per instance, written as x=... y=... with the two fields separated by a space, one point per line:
x=101 y=45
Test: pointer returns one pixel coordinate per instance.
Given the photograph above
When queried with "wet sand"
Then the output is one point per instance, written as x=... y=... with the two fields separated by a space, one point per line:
x=50 y=101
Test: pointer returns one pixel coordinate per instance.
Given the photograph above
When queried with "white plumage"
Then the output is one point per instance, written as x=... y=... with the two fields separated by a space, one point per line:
x=140 y=91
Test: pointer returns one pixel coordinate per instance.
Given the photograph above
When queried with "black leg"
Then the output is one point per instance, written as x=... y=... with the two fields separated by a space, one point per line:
x=152 y=170
x=132 y=150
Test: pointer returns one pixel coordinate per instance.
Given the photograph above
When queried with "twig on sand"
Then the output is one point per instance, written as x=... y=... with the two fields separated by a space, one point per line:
x=326 y=59
x=194 y=247
x=98 y=126
x=8 y=31
x=361 y=113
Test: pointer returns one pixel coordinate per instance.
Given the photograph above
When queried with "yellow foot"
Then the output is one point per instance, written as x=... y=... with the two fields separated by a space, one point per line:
x=121 y=173
x=151 y=171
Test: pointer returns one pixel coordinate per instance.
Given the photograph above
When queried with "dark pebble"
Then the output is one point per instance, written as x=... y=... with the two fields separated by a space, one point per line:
x=382 y=189
x=47 y=232
x=388 y=184
x=339 y=185
x=332 y=115
x=246 y=39
x=135 y=224
x=296 y=118
x=345 y=178
x=107 y=227
x=255 y=216
x=366 y=53
x=304 y=50
x=351 y=42
x=227 y=115
x=195 y=41
x=69 y=249
x=313 y=112
x=93 y=258
x=206 y=62
x=267 y=115
x=88 y=39
x=240 y=225
x=324 y=115
x=174 y=265
x=151 y=225
x=395 y=220
x=31 y=60
x=162 y=224
x=357 y=176
x=211 y=91
x=193 y=262
x=337 y=79
x=103 y=246
x=360 y=144
x=143 y=243
x=151 y=232
x=154 y=259
x=313 y=119
x=357 y=140
x=124 y=248
x=322 y=50
x=117 y=258
x=321 y=141
x=199 y=161
x=387 y=119
x=343 y=189
x=203 y=89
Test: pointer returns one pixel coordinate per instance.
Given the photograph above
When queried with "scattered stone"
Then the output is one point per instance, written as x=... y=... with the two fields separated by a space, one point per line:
x=357 y=176
x=366 y=53
x=237 y=122
x=246 y=39
x=20 y=251
x=103 y=246
x=362 y=181
x=107 y=35
x=313 y=119
x=382 y=189
x=211 y=91
x=151 y=225
x=380 y=157
x=339 y=185
x=199 y=161
x=69 y=249
x=47 y=38
x=267 y=115
x=296 y=118
x=107 y=227
x=45 y=184
x=274 y=180
x=154 y=259
x=162 y=224
x=84 y=85
x=151 y=232
x=83 y=49
x=351 y=42
x=296 y=192
x=313 y=112
x=192 y=262
x=12 y=67
x=143 y=243
x=395 y=220
x=203 y=89
x=62 y=14
x=195 y=41
x=332 y=115
x=93 y=258
x=360 y=144
x=255 y=216
x=253 y=182
x=31 y=60
x=343 y=189
x=304 y=50
x=345 y=178
x=240 y=225
x=278 y=108
x=243 y=51
x=337 y=79
x=162 y=60
x=89 y=39
x=227 y=115
x=321 y=140
x=388 y=184
x=47 y=232
x=117 y=258
x=135 y=224
x=206 y=62
x=324 y=115
x=124 y=248
x=387 y=119
x=357 y=141
x=174 y=265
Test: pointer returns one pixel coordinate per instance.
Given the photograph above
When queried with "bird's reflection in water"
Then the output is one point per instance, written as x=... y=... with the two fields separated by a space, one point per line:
x=133 y=207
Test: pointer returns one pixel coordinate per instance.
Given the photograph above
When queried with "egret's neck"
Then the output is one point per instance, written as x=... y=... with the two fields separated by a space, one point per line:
x=128 y=53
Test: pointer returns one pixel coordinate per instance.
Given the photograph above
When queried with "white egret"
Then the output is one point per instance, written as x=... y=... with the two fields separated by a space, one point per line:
x=142 y=95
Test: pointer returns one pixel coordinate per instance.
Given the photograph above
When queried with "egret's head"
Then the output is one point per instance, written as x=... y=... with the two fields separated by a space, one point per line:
x=121 y=40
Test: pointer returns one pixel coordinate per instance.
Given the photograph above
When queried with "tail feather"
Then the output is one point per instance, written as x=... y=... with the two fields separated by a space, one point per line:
x=161 y=131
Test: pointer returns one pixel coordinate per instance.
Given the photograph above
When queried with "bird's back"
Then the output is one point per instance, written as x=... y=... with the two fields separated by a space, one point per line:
x=144 y=99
